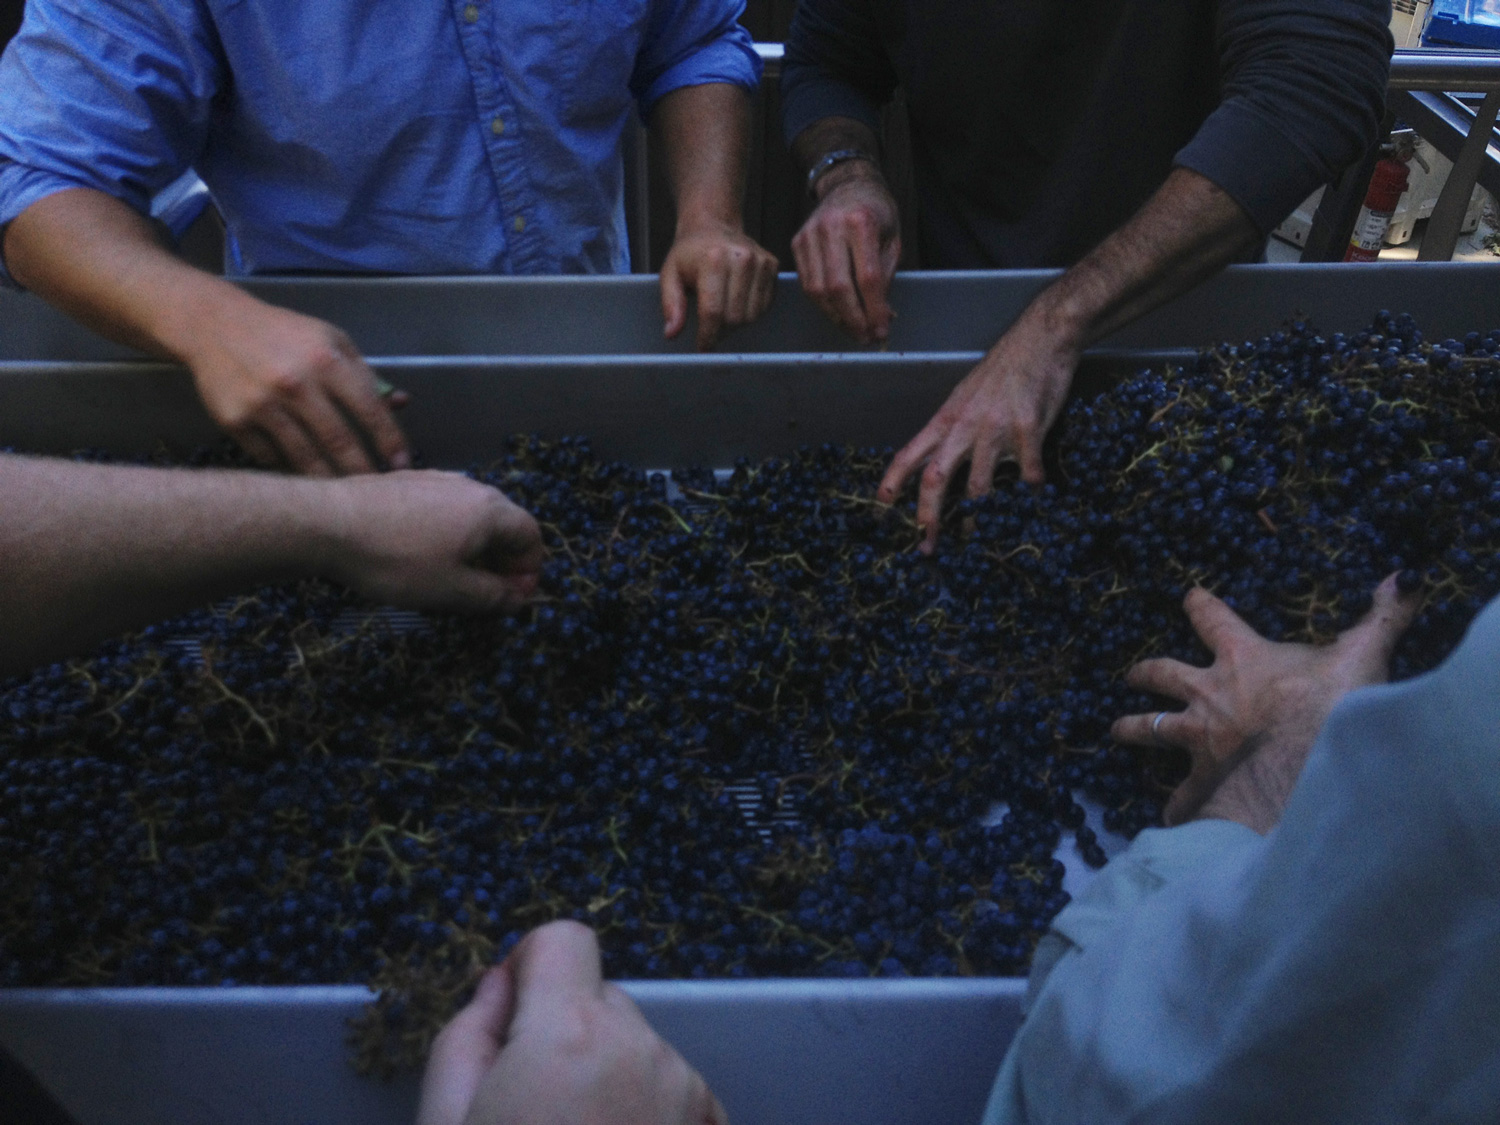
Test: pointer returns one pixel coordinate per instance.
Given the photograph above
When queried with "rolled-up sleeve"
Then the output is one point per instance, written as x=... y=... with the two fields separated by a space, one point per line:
x=694 y=43
x=106 y=95
x=1303 y=95
x=835 y=66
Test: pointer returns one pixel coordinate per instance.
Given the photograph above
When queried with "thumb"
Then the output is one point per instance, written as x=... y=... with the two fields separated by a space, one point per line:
x=1370 y=643
x=475 y=589
x=673 y=299
x=466 y=1049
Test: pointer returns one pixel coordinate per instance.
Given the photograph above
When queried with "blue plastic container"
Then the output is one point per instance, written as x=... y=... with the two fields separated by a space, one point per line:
x=1464 y=23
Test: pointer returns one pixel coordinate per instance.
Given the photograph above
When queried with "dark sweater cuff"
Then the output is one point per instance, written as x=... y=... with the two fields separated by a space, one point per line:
x=806 y=98
x=1244 y=153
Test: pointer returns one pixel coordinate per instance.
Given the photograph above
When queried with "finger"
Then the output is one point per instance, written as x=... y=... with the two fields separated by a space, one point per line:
x=1185 y=801
x=673 y=300
x=555 y=966
x=469 y=590
x=1208 y=771
x=1372 y=641
x=337 y=441
x=903 y=465
x=890 y=258
x=515 y=547
x=935 y=480
x=809 y=264
x=738 y=290
x=839 y=292
x=1029 y=457
x=765 y=287
x=1143 y=730
x=699 y=1106
x=466 y=1049
x=1219 y=627
x=297 y=448
x=356 y=392
x=617 y=998
x=872 y=280
x=1167 y=677
x=712 y=292
x=982 y=468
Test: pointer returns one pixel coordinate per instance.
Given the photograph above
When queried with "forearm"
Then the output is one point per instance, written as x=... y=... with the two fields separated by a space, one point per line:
x=705 y=134
x=838 y=134
x=1185 y=233
x=88 y=551
x=103 y=263
x=831 y=134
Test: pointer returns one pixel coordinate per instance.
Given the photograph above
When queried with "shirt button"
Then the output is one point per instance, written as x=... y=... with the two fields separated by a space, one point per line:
x=497 y=126
x=520 y=223
x=471 y=13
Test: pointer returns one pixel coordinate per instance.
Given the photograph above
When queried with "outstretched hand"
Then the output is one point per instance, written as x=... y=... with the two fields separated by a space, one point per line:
x=1000 y=412
x=431 y=540
x=1258 y=701
x=546 y=1041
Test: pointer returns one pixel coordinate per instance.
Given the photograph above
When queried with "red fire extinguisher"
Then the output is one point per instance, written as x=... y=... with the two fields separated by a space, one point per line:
x=1386 y=187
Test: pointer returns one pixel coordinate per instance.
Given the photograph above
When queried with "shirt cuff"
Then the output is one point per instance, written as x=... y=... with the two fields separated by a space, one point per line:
x=731 y=60
x=1158 y=856
x=1254 y=162
x=811 y=97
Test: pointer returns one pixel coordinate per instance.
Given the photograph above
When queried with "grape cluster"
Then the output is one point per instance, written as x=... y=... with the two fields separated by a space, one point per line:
x=286 y=789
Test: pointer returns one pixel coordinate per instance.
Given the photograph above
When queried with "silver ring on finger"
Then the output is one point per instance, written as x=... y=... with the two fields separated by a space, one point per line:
x=1156 y=729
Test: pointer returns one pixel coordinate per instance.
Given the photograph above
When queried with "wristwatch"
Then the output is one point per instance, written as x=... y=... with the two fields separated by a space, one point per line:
x=831 y=161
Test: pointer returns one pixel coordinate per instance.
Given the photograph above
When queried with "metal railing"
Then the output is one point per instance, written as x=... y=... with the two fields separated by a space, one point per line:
x=1427 y=90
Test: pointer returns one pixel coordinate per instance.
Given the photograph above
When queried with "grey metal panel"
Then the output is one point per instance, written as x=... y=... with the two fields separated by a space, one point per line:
x=776 y=1052
x=655 y=410
x=937 y=312
x=486 y=357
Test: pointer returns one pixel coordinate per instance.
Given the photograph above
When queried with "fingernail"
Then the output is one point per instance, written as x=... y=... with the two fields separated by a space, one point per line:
x=401 y=460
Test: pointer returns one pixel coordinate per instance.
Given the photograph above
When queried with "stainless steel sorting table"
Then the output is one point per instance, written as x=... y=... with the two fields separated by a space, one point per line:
x=487 y=357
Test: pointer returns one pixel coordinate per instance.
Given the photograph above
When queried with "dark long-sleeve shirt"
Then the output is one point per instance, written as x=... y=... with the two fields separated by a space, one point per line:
x=1040 y=127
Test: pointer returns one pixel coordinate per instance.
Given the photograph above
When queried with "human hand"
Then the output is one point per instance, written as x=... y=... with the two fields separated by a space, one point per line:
x=733 y=276
x=432 y=540
x=847 y=250
x=546 y=1041
x=293 y=390
x=1258 y=701
x=1001 y=411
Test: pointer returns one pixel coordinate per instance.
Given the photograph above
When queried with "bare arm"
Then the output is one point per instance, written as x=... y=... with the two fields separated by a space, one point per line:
x=88 y=551
x=1188 y=231
x=289 y=388
x=1003 y=409
x=704 y=131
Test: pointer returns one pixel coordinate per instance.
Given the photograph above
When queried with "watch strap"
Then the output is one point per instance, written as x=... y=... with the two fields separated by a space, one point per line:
x=831 y=161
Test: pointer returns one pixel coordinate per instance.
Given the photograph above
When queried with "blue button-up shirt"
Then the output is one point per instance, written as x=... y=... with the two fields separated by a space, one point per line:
x=472 y=136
